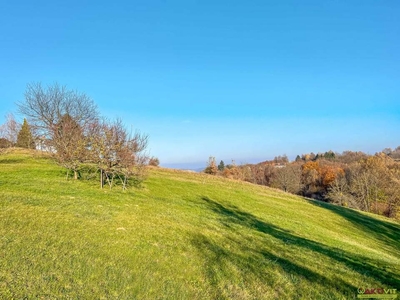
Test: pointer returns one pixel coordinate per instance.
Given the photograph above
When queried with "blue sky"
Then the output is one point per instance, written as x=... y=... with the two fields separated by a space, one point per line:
x=242 y=80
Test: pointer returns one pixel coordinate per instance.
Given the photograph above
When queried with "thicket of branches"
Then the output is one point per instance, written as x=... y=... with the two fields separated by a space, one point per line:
x=116 y=153
x=67 y=124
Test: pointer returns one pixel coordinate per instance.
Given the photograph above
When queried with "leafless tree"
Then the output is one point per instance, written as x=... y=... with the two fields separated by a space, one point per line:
x=363 y=186
x=338 y=192
x=70 y=142
x=59 y=119
x=288 y=178
x=9 y=130
x=46 y=107
x=117 y=154
x=395 y=154
x=264 y=173
x=349 y=157
x=370 y=181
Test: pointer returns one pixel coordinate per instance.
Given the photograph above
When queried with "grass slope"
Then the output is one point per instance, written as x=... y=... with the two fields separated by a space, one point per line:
x=182 y=236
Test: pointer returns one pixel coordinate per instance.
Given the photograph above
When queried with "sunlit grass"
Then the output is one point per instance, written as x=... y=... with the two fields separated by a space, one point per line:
x=181 y=236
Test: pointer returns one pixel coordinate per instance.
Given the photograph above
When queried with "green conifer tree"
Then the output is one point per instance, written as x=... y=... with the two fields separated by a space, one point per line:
x=25 y=138
x=221 y=166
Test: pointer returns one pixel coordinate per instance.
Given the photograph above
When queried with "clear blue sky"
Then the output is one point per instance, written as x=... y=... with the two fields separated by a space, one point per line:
x=243 y=80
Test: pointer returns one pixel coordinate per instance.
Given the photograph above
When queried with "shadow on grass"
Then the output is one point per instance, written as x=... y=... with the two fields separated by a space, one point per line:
x=258 y=265
x=386 y=232
x=249 y=258
x=10 y=161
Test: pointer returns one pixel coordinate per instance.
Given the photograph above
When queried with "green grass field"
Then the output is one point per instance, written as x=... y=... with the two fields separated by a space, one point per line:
x=181 y=236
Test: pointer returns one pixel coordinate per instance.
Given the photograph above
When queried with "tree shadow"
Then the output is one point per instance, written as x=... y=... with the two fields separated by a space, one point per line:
x=10 y=161
x=249 y=261
x=386 y=232
x=249 y=257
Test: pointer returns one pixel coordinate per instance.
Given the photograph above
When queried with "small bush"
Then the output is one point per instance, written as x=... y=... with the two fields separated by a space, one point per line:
x=154 y=161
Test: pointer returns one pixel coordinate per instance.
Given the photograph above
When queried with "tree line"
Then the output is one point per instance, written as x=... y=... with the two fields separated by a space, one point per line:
x=352 y=179
x=67 y=124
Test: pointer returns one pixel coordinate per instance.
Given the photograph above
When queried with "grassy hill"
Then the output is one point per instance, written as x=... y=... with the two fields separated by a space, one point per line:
x=182 y=236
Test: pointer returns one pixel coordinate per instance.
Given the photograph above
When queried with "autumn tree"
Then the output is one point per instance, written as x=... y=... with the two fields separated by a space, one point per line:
x=310 y=177
x=233 y=171
x=328 y=173
x=370 y=184
x=25 y=137
x=211 y=166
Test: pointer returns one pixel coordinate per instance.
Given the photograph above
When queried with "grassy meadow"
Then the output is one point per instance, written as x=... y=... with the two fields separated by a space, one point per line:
x=181 y=235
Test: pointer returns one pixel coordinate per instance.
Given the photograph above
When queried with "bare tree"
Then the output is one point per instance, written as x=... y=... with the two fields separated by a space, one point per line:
x=363 y=186
x=59 y=119
x=46 y=107
x=117 y=154
x=370 y=181
x=4 y=143
x=71 y=144
x=265 y=173
x=288 y=178
x=9 y=130
x=338 y=192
